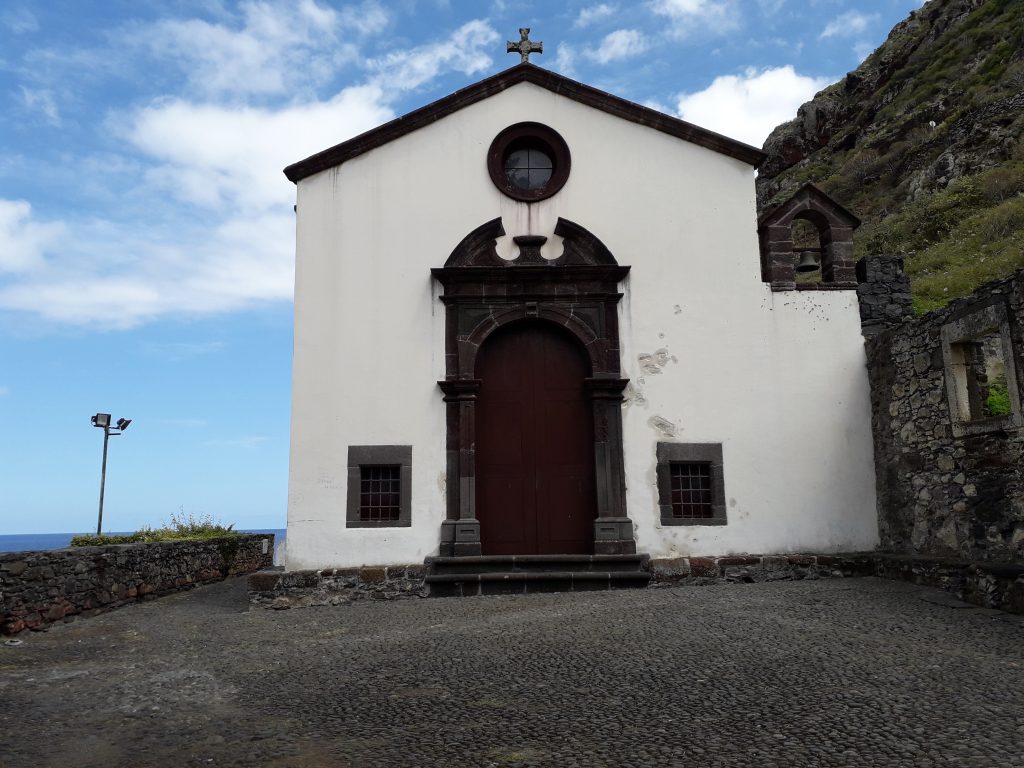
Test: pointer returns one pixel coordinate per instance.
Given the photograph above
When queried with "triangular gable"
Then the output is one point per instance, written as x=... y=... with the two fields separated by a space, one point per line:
x=522 y=73
x=809 y=198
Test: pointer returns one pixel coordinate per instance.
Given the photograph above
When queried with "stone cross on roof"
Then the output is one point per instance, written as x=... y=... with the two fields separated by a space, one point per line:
x=525 y=46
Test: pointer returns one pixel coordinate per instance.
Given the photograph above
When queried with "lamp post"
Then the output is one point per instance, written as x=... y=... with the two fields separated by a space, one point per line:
x=102 y=420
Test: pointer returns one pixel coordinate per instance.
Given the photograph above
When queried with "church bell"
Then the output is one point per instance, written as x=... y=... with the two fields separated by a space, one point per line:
x=808 y=261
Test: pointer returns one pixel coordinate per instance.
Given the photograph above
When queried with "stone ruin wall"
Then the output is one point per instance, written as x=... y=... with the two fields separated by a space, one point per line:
x=39 y=588
x=940 y=494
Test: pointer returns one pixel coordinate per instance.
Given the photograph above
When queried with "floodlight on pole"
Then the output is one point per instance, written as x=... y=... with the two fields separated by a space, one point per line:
x=102 y=421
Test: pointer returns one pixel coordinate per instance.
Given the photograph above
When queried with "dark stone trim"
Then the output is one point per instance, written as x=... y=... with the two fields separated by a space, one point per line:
x=579 y=292
x=835 y=225
x=696 y=453
x=844 y=286
x=522 y=73
x=581 y=246
x=529 y=133
x=842 y=214
x=479 y=249
x=480 y=245
x=389 y=455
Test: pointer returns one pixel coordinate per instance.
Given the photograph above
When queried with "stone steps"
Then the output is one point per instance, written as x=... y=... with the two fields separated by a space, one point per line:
x=519 y=574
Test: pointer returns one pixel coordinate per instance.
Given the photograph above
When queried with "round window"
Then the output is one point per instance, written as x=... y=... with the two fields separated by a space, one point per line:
x=528 y=161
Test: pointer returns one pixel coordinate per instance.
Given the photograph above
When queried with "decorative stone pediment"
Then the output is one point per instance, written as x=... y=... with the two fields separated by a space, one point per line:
x=580 y=248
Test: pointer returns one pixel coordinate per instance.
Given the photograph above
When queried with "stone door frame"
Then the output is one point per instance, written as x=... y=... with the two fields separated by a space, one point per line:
x=578 y=291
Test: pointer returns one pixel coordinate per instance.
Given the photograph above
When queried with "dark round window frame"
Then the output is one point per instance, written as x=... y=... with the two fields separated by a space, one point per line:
x=526 y=135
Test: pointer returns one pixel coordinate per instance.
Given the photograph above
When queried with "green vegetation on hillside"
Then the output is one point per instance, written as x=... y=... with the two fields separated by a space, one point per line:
x=183 y=526
x=955 y=240
x=925 y=142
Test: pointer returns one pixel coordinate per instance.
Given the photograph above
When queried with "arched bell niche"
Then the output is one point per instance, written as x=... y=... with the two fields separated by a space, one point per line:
x=781 y=252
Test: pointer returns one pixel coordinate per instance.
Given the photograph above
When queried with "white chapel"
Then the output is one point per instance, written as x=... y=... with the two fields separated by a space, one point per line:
x=536 y=319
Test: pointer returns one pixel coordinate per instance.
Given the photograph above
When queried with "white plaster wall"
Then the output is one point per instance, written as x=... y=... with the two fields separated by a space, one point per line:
x=779 y=379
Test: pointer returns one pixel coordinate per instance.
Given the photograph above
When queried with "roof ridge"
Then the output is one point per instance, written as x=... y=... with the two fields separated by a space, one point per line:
x=520 y=73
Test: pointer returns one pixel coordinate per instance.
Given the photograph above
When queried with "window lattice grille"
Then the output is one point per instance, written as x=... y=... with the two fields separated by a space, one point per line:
x=379 y=493
x=691 y=490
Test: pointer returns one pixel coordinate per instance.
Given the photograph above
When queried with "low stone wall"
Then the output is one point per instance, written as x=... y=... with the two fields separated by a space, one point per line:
x=988 y=584
x=758 y=568
x=336 y=586
x=39 y=588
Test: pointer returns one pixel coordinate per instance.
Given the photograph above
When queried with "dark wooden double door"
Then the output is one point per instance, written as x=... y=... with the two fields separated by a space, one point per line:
x=534 y=443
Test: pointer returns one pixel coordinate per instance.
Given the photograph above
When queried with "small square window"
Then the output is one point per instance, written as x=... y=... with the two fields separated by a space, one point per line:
x=379 y=478
x=981 y=381
x=691 y=484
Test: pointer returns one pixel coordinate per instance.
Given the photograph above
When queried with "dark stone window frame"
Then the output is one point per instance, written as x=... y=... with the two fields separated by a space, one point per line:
x=360 y=456
x=529 y=135
x=691 y=453
x=974 y=324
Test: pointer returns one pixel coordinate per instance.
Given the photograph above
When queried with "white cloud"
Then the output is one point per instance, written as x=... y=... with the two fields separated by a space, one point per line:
x=229 y=244
x=618 y=45
x=5 y=391
x=770 y=7
x=593 y=14
x=19 y=20
x=690 y=16
x=465 y=51
x=863 y=49
x=216 y=156
x=41 y=100
x=23 y=241
x=748 y=106
x=273 y=48
x=849 y=24
x=565 y=60
x=225 y=164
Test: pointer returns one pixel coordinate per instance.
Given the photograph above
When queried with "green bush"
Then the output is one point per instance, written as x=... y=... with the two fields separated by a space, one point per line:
x=179 y=527
x=998 y=401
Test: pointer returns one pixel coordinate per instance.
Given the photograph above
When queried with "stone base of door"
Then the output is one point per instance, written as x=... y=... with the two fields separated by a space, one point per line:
x=460 y=538
x=612 y=536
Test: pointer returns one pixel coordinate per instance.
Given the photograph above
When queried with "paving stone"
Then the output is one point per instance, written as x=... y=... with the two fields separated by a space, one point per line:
x=855 y=672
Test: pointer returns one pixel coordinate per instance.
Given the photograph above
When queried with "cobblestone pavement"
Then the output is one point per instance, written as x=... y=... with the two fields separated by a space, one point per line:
x=855 y=672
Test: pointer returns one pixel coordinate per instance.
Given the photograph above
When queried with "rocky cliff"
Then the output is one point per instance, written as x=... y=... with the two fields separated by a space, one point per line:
x=925 y=142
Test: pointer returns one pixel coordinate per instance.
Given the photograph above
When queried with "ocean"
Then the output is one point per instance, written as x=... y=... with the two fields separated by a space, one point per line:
x=35 y=542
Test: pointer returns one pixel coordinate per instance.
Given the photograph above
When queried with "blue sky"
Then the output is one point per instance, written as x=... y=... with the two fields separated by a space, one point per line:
x=146 y=229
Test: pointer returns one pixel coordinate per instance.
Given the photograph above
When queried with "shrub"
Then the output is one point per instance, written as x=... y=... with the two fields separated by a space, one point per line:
x=179 y=527
x=997 y=403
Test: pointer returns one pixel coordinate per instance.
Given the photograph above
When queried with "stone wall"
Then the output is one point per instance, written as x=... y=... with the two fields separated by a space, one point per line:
x=336 y=586
x=992 y=585
x=947 y=487
x=883 y=292
x=39 y=588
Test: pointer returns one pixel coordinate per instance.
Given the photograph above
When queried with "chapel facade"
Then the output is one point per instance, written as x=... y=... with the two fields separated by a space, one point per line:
x=535 y=319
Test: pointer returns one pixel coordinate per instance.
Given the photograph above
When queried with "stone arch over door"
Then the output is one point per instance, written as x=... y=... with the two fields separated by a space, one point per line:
x=577 y=291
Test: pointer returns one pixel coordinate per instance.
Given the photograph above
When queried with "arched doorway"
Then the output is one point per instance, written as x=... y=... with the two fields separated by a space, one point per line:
x=534 y=443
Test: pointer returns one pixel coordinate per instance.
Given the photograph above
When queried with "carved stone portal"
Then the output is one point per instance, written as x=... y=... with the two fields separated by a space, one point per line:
x=578 y=291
